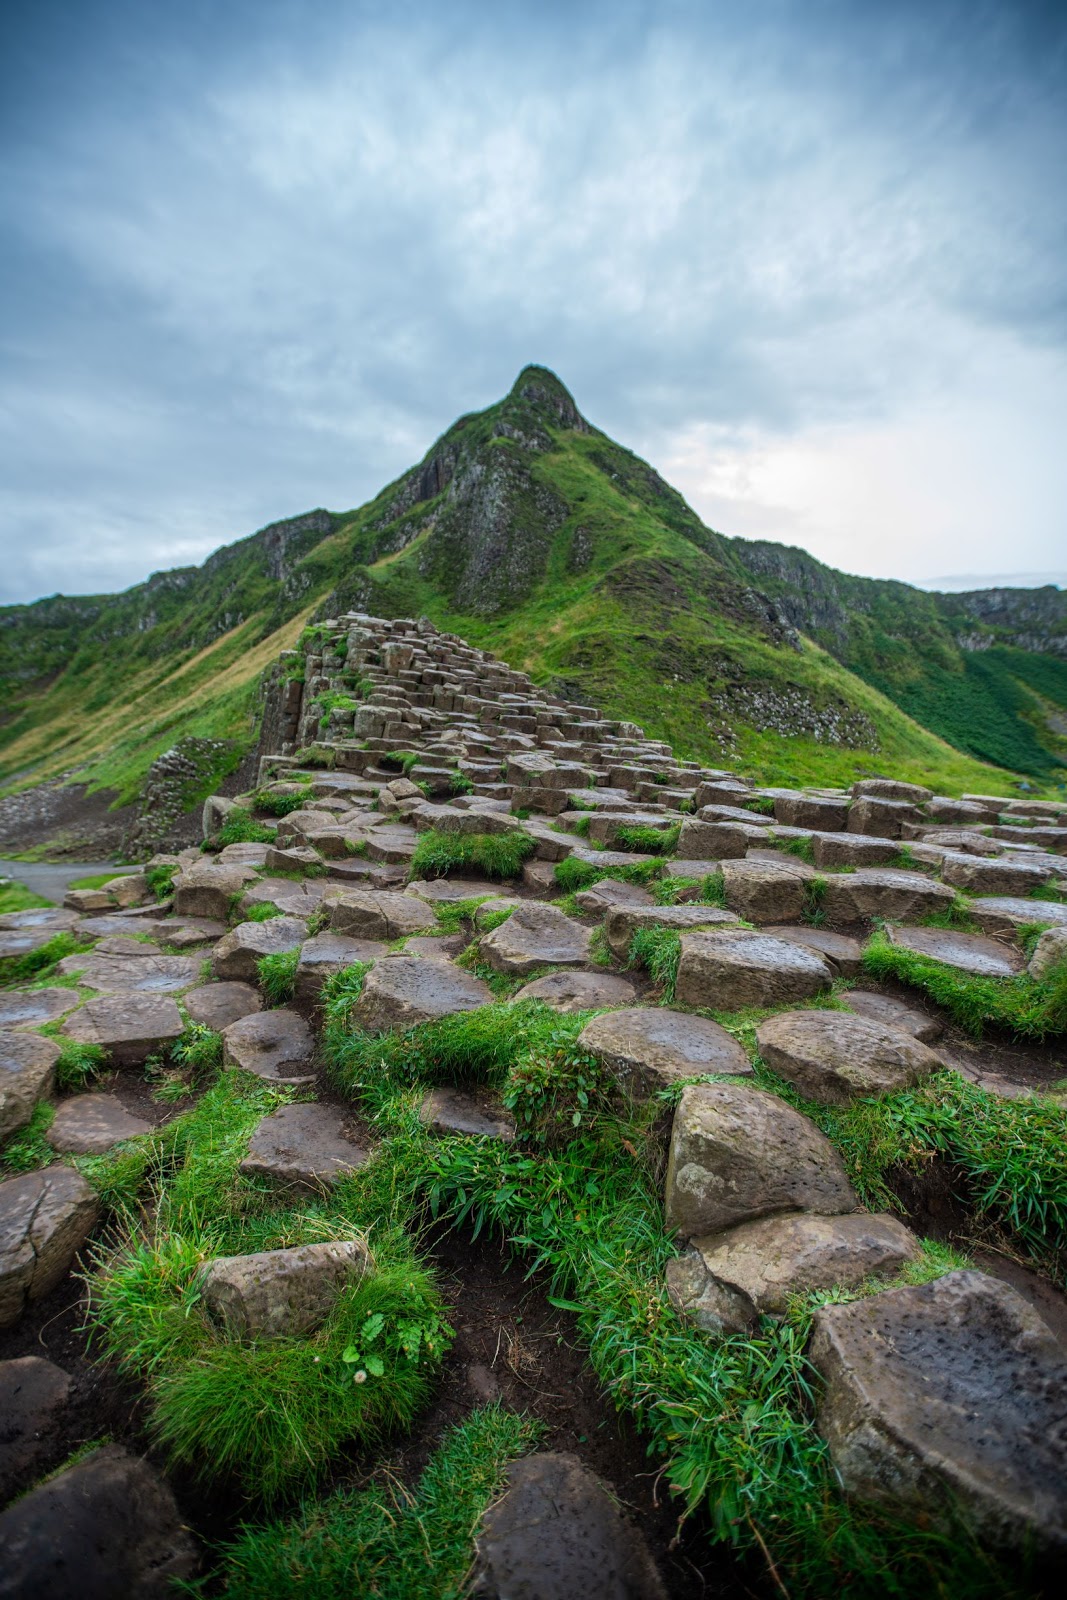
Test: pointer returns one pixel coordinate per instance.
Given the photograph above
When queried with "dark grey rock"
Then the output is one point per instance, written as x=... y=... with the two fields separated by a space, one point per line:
x=33 y=1396
x=302 y=1146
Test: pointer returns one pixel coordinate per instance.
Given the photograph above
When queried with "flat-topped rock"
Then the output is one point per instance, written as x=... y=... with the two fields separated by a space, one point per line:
x=48 y=920
x=811 y=811
x=969 y=952
x=237 y=956
x=844 y=953
x=281 y=1293
x=651 y=1047
x=622 y=922
x=718 y=839
x=190 y=933
x=45 y=1218
x=726 y=1281
x=448 y=1110
x=738 y=1152
x=949 y=1398
x=883 y=892
x=1049 y=951
x=129 y=1027
x=303 y=1146
x=767 y=891
x=852 y=850
x=107 y=1526
x=884 y=818
x=1005 y=913
x=977 y=875
x=892 y=1013
x=208 y=889
x=28 y=1008
x=89 y=1124
x=732 y=969
x=294 y=898
x=27 y=1074
x=216 y=1005
x=365 y=914
x=536 y=935
x=609 y=892
x=326 y=954
x=406 y=990
x=579 y=991
x=835 y=1057
x=449 y=891
x=891 y=789
x=683 y=867
x=441 y=946
x=276 y=1045
x=138 y=969
x=33 y=1397
x=556 y=1534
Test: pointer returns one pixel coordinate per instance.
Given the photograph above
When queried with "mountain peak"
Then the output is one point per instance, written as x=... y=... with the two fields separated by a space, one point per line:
x=540 y=389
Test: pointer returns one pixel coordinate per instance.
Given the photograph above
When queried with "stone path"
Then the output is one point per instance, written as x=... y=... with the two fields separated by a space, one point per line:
x=769 y=898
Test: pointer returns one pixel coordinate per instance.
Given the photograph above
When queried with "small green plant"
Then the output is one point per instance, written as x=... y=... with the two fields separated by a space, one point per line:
x=277 y=976
x=498 y=855
x=240 y=827
x=957 y=914
x=78 y=1064
x=803 y=849
x=647 y=840
x=573 y=874
x=658 y=950
x=263 y=911
x=1029 y=1008
x=199 y=1049
x=814 y=912
x=557 y=1089
x=762 y=804
x=459 y=783
x=281 y=805
x=161 y=879
x=29 y=1149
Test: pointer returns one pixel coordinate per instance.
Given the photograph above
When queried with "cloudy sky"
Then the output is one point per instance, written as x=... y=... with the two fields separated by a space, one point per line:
x=807 y=258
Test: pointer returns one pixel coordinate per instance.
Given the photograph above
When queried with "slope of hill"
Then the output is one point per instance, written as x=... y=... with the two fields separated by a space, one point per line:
x=533 y=534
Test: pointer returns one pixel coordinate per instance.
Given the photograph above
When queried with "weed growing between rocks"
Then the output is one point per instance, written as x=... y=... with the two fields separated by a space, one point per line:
x=239 y=827
x=29 y=1149
x=573 y=874
x=648 y=841
x=38 y=966
x=957 y=915
x=658 y=950
x=498 y=855
x=709 y=890
x=453 y=915
x=277 y=804
x=263 y=911
x=161 y=879
x=276 y=975
x=814 y=913
x=404 y=1543
x=1029 y=1008
x=78 y=1064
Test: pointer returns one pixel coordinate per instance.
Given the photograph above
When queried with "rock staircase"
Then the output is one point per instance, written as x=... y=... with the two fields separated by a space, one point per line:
x=389 y=734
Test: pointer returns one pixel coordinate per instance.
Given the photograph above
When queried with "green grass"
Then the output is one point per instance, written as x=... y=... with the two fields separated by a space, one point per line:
x=571 y=874
x=647 y=840
x=27 y=1149
x=15 y=896
x=99 y=880
x=161 y=879
x=1028 y=1008
x=281 y=805
x=276 y=975
x=78 y=1064
x=262 y=911
x=38 y=965
x=658 y=950
x=405 y=1544
x=498 y=855
x=454 y=915
x=956 y=915
x=240 y=827
x=813 y=912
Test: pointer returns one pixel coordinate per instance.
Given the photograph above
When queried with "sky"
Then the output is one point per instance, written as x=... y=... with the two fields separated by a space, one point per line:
x=808 y=259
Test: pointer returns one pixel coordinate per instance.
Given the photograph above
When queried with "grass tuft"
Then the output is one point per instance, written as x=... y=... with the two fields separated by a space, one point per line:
x=498 y=855
x=78 y=1064
x=276 y=975
x=658 y=950
x=1029 y=1008
x=647 y=840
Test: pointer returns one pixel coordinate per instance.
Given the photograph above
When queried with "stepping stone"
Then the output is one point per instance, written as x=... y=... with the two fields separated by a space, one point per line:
x=891 y=1013
x=238 y=955
x=489 y=908
x=28 y=1008
x=969 y=952
x=33 y=1396
x=609 y=892
x=249 y=855
x=442 y=948
x=394 y=845
x=679 y=868
x=811 y=811
x=293 y=858
x=843 y=953
x=557 y=1534
x=325 y=954
x=448 y=891
x=190 y=933
x=891 y=789
x=578 y=991
x=738 y=1152
x=727 y=1281
x=705 y=839
x=447 y=1110
x=650 y=1048
x=208 y=889
x=535 y=936
x=27 y=1074
x=836 y=1057
x=1049 y=951
x=767 y=891
x=362 y=914
x=276 y=1045
x=870 y=814
x=48 y=920
x=216 y=1005
x=281 y=1293
x=107 y=1526
x=140 y=969
x=622 y=922
x=129 y=1027
x=734 y=969
x=883 y=892
x=45 y=1218
x=89 y=1124
x=852 y=850
x=406 y=990
x=949 y=1398
x=293 y=899
x=124 y=922
x=1003 y=914
x=302 y=1146
x=978 y=876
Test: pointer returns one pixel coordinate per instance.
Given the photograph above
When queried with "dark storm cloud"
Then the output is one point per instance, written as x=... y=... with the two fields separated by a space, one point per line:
x=256 y=257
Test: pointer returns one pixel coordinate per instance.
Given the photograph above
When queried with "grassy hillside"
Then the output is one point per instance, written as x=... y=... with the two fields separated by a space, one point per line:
x=531 y=533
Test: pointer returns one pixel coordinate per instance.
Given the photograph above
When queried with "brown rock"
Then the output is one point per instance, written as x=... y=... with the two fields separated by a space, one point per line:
x=536 y=935
x=578 y=991
x=734 y=969
x=406 y=990
x=890 y=1013
x=882 y=892
x=130 y=1027
x=276 y=1045
x=449 y=1110
x=835 y=1057
x=237 y=956
x=968 y=952
x=363 y=914
x=33 y=1396
x=281 y=1293
x=27 y=1074
x=45 y=1218
x=650 y=1048
x=89 y=1124
x=216 y=1005
x=302 y=1146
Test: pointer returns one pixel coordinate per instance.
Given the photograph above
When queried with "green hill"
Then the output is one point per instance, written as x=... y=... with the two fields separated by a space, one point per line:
x=531 y=533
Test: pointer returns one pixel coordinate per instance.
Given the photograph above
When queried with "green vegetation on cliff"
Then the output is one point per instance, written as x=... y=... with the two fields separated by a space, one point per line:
x=534 y=535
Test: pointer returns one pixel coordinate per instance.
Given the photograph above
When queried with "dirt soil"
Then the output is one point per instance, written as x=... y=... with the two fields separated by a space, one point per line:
x=66 y=819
